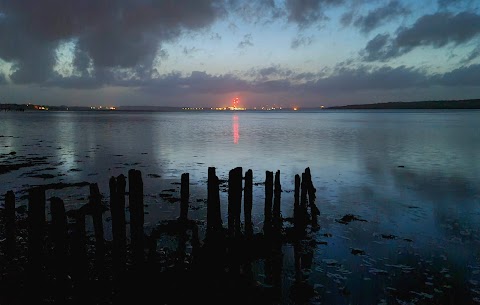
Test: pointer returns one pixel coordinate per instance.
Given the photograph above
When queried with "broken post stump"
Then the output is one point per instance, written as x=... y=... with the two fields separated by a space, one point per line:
x=184 y=195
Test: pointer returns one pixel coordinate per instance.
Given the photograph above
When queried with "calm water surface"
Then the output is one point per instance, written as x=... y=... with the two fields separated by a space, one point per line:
x=414 y=176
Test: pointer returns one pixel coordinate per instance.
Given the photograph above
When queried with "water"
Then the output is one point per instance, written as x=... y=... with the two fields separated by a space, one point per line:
x=414 y=175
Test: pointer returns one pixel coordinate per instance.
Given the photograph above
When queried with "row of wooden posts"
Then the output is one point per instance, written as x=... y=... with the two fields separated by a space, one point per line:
x=305 y=212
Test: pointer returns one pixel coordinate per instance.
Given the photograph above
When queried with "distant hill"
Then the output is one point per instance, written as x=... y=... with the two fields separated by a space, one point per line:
x=451 y=104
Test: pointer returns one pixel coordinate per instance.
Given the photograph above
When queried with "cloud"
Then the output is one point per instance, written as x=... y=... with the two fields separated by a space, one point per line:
x=367 y=78
x=378 y=16
x=444 y=4
x=474 y=54
x=3 y=79
x=269 y=73
x=246 y=41
x=381 y=48
x=254 y=12
x=108 y=34
x=439 y=29
x=215 y=36
x=464 y=76
x=436 y=30
x=189 y=51
x=306 y=12
x=198 y=82
x=301 y=41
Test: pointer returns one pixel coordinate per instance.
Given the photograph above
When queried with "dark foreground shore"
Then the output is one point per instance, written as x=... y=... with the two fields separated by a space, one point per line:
x=56 y=261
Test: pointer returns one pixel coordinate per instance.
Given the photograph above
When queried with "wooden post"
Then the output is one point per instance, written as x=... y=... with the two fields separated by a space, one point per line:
x=234 y=201
x=120 y=220
x=311 y=197
x=184 y=195
x=214 y=217
x=136 y=215
x=277 y=197
x=297 y=209
x=117 y=211
x=36 y=227
x=10 y=224
x=59 y=236
x=248 y=202
x=303 y=199
x=268 y=197
x=238 y=182
x=96 y=208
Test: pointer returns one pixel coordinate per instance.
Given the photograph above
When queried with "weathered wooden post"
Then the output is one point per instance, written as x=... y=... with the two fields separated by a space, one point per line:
x=135 y=185
x=297 y=208
x=59 y=237
x=214 y=217
x=248 y=202
x=234 y=201
x=303 y=198
x=96 y=209
x=277 y=197
x=36 y=229
x=10 y=224
x=311 y=197
x=117 y=209
x=268 y=196
x=184 y=195
x=120 y=220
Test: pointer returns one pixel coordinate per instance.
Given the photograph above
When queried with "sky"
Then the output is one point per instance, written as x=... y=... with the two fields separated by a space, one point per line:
x=201 y=53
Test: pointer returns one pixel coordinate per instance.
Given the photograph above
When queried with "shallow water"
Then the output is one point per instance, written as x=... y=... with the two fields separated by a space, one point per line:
x=414 y=176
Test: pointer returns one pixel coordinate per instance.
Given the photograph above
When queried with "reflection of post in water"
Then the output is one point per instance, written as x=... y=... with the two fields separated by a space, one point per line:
x=273 y=234
x=273 y=269
x=301 y=290
x=236 y=135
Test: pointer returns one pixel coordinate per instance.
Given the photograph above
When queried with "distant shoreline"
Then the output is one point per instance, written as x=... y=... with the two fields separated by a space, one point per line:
x=452 y=104
x=441 y=104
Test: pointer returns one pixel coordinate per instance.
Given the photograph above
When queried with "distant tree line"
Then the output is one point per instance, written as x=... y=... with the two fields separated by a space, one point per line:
x=451 y=104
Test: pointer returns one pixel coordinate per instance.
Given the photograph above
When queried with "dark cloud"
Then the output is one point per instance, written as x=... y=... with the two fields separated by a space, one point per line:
x=254 y=12
x=307 y=12
x=366 y=78
x=346 y=18
x=122 y=33
x=269 y=73
x=464 y=76
x=3 y=79
x=301 y=41
x=436 y=30
x=439 y=29
x=381 y=48
x=442 y=4
x=196 y=83
x=379 y=16
x=246 y=41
